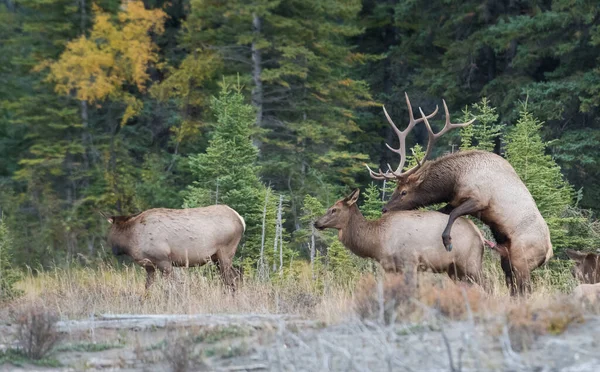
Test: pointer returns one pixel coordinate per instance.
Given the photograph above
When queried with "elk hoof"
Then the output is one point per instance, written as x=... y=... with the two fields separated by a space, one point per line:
x=447 y=243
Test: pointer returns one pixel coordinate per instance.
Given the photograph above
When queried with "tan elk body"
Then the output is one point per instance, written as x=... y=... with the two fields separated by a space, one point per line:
x=162 y=238
x=407 y=241
x=477 y=183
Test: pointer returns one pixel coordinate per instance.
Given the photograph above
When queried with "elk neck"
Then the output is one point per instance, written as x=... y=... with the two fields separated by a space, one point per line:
x=120 y=239
x=439 y=179
x=361 y=236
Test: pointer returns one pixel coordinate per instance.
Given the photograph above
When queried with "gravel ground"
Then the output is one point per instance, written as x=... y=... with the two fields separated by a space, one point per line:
x=288 y=343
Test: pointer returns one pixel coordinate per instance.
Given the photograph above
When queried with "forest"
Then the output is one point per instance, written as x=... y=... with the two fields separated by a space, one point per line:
x=274 y=107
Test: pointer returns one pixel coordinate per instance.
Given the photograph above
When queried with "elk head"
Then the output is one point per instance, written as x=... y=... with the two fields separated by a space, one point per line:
x=587 y=266
x=405 y=196
x=338 y=215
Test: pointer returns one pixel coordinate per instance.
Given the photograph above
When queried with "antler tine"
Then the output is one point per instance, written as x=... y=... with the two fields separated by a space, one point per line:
x=376 y=176
x=401 y=134
x=401 y=150
x=433 y=137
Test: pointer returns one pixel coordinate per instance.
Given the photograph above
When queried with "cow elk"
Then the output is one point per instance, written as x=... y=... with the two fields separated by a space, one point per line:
x=406 y=241
x=477 y=183
x=162 y=238
x=587 y=266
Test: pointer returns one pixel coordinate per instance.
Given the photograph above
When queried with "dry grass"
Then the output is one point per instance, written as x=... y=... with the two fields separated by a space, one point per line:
x=79 y=292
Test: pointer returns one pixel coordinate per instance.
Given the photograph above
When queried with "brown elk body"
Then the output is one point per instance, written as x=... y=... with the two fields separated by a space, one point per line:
x=477 y=183
x=407 y=241
x=587 y=266
x=162 y=238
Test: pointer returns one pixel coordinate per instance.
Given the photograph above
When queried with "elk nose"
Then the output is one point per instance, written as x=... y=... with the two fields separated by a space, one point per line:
x=384 y=209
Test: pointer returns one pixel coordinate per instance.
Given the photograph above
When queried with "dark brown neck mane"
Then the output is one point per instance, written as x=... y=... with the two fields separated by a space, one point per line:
x=439 y=179
x=359 y=235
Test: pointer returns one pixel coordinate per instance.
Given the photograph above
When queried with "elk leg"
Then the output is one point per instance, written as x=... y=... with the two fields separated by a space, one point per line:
x=446 y=209
x=150 y=275
x=166 y=268
x=469 y=206
x=226 y=269
x=508 y=275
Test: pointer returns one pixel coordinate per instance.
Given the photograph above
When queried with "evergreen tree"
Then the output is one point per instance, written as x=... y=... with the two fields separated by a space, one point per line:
x=526 y=152
x=227 y=172
x=298 y=70
x=371 y=208
x=484 y=132
x=553 y=195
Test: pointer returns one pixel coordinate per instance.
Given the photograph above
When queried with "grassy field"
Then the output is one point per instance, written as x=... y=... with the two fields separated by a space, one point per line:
x=248 y=322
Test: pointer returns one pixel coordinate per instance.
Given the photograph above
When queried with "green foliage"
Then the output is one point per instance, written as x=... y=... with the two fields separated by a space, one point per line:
x=315 y=85
x=312 y=209
x=484 y=132
x=298 y=70
x=227 y=172
x=373 y=203
x=8 y=275
x=340 y=261
x=526 y=152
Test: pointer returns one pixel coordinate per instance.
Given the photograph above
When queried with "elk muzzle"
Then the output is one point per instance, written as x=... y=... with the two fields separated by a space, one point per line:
x=318 y=225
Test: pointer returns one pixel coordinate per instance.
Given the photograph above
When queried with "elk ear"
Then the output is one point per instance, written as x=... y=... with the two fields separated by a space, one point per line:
x=576 y=255
x=415 y=179
x=110 y=219
x=352 y=198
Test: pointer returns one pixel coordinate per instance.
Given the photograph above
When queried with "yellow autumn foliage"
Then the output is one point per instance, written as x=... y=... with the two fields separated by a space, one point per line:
x=116 y=52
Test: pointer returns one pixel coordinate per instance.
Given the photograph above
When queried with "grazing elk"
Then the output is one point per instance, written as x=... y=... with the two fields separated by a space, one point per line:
x=477 y=183
x=587 y=266
x=406 y=241
x=162 y=238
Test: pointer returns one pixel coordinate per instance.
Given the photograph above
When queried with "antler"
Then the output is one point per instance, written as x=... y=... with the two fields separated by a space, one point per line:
x=401 y=150
x=434 y=136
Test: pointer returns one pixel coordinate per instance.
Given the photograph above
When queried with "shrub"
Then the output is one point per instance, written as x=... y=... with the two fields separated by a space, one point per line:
x=386 y=299
x=36 y=330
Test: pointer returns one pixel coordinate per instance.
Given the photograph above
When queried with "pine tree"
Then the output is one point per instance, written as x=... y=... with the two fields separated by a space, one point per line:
x=526 y=151
x=371 y=208
x=297 y=68
x=484 y=132
x=227 y=172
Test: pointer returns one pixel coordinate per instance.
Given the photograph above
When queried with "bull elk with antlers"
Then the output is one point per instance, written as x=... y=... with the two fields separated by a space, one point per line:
x=477 y=183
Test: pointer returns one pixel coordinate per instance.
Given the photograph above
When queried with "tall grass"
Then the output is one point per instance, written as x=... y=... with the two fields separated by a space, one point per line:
x=78 y=292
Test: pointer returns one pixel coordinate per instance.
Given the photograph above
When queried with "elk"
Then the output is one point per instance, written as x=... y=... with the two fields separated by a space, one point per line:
x=587 y=266
x=405 y=241
x=162 y=238
x=477 y=183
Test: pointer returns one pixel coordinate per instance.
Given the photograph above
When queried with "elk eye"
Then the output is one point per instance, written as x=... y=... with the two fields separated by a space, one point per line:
x=403 y=192
x=333 y=211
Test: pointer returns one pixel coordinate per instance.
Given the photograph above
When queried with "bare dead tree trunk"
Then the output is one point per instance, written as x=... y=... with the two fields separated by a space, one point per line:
x=261 y=258
x=278 y=237
x=257 y=91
